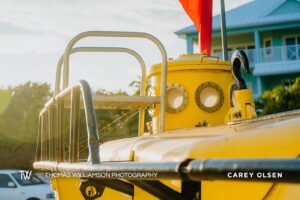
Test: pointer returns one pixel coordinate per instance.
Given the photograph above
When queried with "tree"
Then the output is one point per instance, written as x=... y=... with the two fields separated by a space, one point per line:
x=19 y=124
x=20 y=117
x=281 y=98
x=5 y=95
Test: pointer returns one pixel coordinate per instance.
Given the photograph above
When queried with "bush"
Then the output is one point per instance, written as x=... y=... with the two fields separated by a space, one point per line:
x=281 y=98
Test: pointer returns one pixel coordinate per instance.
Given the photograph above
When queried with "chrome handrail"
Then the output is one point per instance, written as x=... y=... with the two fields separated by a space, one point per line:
x=109 y=49
x=153 y=39
x=47 y=126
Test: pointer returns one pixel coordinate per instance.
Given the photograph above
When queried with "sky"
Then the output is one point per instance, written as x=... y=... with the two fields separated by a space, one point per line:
x=34 y=34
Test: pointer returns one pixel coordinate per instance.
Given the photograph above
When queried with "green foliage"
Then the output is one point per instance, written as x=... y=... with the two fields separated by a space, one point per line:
x=116 y=124
x=18 y=124
x=135 y=85
x=20 y=118
x=5 y=95
x=16 y=154
x=281 y=98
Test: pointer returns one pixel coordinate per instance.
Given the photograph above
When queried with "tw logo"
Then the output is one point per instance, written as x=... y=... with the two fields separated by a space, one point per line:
x=25 y=174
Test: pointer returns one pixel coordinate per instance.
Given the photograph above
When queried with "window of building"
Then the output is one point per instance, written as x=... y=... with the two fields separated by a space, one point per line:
x=292 y=47
x=268 y=47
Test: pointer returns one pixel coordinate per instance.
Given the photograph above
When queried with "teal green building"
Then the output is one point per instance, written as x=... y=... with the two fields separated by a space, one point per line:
x=268 y=31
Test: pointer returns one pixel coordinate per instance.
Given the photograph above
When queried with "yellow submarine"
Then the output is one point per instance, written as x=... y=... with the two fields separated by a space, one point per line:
x=204 y=141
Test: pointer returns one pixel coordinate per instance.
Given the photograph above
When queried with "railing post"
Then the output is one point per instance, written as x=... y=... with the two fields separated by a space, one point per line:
x=53 y=130
x=42 y=136
x=60 y=130
x=74 y=125
x=50 y=133
x=38 y=144
x=45 y=137
x=82 y=87
x=257 y=47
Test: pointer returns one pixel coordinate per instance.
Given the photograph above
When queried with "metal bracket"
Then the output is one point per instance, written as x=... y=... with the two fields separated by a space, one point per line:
x=91 y=190
x=238 y=58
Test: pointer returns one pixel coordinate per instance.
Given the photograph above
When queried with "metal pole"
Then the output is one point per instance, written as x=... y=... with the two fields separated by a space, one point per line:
x=223 y=31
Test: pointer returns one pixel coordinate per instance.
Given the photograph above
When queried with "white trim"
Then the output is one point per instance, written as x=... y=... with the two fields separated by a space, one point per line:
x=290 y=36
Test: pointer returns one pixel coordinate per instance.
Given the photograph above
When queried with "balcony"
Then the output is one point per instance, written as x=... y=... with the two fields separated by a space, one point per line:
x=250 y=53
x=280 y=54
x=270 y=55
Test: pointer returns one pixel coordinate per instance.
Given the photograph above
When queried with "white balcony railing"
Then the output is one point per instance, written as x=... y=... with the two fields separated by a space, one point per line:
x=250 y=53
x=280 y=54
x=269 y=55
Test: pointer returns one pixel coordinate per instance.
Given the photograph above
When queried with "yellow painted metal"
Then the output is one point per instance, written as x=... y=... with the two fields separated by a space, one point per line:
x=190 y=71
x=68 y=188
x=271 y=138
x=244 y=107
x=257 y=140
x=267 y=139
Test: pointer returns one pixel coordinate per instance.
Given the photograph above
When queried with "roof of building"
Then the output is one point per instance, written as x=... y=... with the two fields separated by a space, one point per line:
x=256 y=13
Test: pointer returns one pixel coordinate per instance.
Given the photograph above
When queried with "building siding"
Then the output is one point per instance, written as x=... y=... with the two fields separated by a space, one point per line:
x=273 y=20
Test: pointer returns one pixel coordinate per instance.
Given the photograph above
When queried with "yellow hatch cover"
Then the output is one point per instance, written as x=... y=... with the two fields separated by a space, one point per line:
x=192 y=62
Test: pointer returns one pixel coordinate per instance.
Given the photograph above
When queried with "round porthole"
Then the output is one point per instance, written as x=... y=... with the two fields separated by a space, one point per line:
x=176 y=97
x=209 y=96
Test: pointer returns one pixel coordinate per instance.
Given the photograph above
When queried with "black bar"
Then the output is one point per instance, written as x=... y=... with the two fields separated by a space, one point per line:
x=219 y=169
x=158 y=190
x=191 y=190
x=195 y=170
x=151 y=171
x=118 y=185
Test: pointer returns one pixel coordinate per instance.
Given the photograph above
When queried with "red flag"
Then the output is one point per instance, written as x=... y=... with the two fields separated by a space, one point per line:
x=200 y=11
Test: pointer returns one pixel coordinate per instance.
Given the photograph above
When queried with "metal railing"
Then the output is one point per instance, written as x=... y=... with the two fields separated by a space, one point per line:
x=147 y=36
x=51 y=139
x=270 y=55
x=280 y=54
x=250 y=54
x=112 y=50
